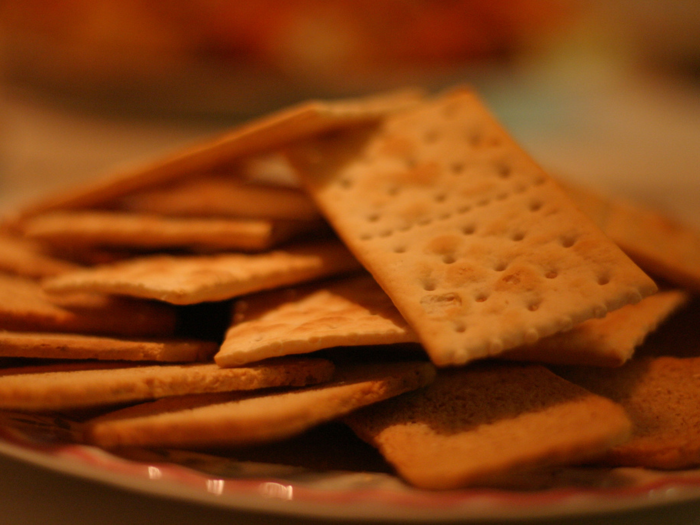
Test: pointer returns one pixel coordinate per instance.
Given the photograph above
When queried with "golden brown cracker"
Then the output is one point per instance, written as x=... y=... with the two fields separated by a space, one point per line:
x=346 y=311
x=478 y=248
x=195 y=279
x=266 y=133
x=241 y=420
x=478 y=424
x=28 y=390
x=660 y=396
x=223 y=195
x=662 y=245
x=610 y=341
x=24 y=257
x=25 y=307
x=120 y=230
x=46 y=345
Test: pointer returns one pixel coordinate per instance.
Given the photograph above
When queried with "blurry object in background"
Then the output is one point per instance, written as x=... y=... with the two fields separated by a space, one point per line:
x=246 y=57
x=664 y=34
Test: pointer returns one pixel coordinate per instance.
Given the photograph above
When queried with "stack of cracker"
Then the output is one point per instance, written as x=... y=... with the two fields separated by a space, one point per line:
x=395 y=264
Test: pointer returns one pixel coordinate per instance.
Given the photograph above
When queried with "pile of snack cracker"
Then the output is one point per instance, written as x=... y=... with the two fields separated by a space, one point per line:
x=397 y=264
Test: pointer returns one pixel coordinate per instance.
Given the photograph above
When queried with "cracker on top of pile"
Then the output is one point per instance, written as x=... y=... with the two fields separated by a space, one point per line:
x=396 y=266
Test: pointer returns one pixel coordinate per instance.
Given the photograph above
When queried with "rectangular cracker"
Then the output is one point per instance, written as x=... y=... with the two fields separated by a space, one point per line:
x=257 y=136
x=222 y=195
x=660 y=395
x=122 y=230
x=24 y=257
x=347 y=311
x=195 y=279
x=477 y=247
x=48 y=345
x=610 y=341
x=25 y=307
x=661 y=245
x=226 y=420
x=479 y=424
x=27 y=390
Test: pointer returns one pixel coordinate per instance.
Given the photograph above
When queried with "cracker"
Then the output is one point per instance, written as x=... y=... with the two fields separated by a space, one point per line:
x=477 y=247
x=25 y=307
x=257 y=136
x=660 y=396
x=26 y=390
x=220 y=195
x=661 y=245
x=24 y=257
x=610 y=341
x=122 y=230
x=241 y=420
x=479 y=424
x=80 y=346
x=346 y=311
x=195 y=279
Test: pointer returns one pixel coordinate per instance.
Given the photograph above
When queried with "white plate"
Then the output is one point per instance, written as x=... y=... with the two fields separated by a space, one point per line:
x=295 y=491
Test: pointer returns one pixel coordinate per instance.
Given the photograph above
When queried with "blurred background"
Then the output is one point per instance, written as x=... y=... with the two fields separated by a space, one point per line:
x=603 y=91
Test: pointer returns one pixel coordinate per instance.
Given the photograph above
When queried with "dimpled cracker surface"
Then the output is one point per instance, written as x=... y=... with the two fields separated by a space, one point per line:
x=610 y=341
x=79 y=346
x=660 y=396
x=661 y=245
x=195 y=279
x=94 y=387
x=341 y=312
x=478 y=248
x=146 y=231
x=239 y=420
x=260 y=135
x=475 y=424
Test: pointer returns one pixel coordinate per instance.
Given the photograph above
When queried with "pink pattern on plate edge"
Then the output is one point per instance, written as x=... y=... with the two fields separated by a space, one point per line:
x=397 y=496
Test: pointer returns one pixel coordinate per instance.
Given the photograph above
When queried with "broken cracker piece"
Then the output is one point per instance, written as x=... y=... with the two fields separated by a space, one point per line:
x=480 y=424
x=477 y=247
x=345 y=311
x=233 y=420
x=195 y=279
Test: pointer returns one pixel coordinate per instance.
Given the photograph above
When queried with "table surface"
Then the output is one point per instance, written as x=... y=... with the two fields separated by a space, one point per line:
x=44 y=147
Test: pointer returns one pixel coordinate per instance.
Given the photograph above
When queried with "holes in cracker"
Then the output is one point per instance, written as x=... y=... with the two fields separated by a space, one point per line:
x=440 y=197
x=457 y=168
x=469 y=229
x=373 y=217
x=533 y=306
x=449 y=259
x=567 y=241
x=603 y=279
x=481 y=297
x=503 y=169
x=517 y=236
x=399 y=248
x=460 y=327
x=551 y=274
x=345 y=183
x=500 y=266
x=432 y=135
x=535 y=205
x=429 y=285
